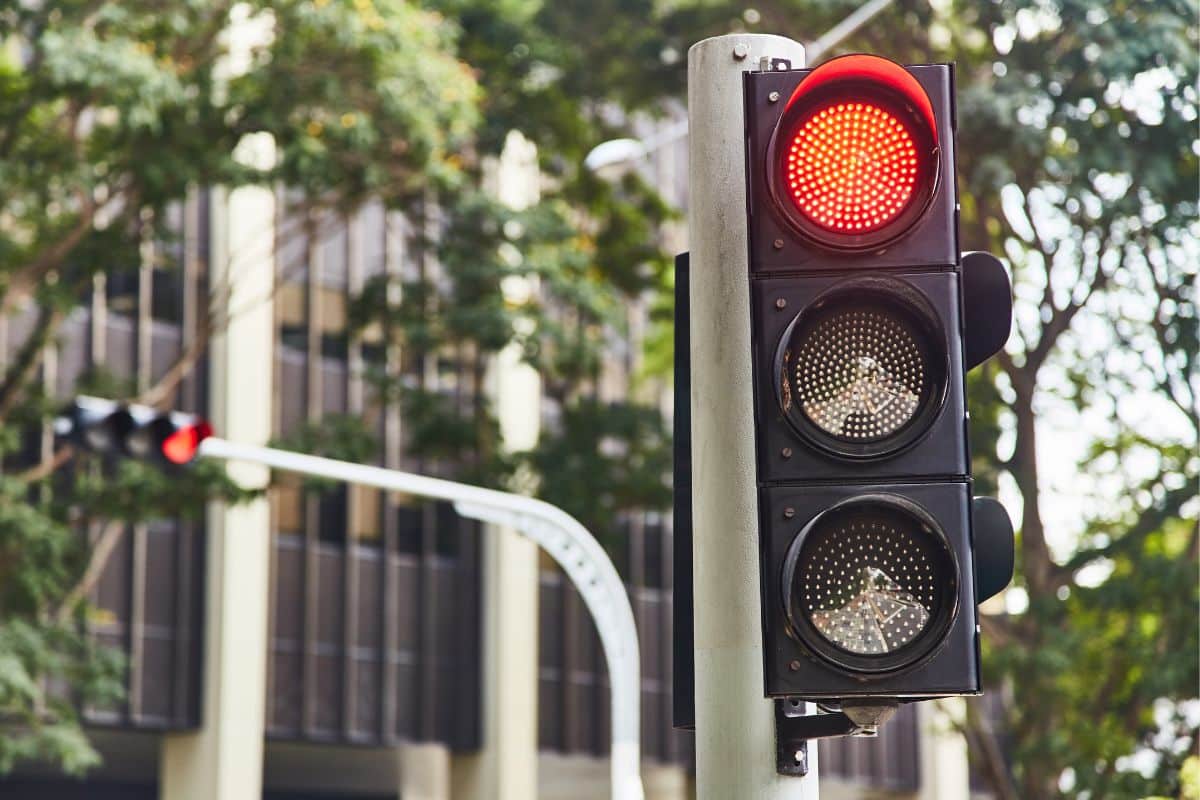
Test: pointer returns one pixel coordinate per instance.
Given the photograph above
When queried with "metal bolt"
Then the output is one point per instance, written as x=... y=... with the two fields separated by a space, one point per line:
x=741 y=50
x=778 y=244
x=794 y=665
x=789 y=512
x=781 y=304
x=786 y=452
x=773 y=97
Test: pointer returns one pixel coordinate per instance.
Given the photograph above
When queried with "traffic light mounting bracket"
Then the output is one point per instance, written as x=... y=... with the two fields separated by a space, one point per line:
x=794 y=729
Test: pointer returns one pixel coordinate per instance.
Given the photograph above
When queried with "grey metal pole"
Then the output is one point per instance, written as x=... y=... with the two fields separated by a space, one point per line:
x=834 y=36
x=735 y=731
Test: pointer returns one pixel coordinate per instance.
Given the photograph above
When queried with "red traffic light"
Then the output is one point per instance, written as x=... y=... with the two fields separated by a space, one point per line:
x=180 y=447
x=854 y=159
x=851 y=167
x=106 y=426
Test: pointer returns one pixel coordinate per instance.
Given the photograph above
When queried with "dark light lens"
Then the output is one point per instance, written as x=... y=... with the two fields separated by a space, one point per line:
x=863 y=370
x=871 y=584
x=860 y=373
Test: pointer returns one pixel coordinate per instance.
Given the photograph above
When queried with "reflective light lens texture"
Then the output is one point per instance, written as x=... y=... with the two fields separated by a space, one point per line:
x=871 y=582
x=860 y=373
x=863 y=369
x=851 y=167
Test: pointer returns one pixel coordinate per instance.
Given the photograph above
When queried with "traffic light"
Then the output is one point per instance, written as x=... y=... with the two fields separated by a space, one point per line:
x=866 y=317
x=169 y=438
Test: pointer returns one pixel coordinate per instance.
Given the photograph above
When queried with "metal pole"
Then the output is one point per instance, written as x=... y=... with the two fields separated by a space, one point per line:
x=561 y=535
x=735 y=730
x=834 y=36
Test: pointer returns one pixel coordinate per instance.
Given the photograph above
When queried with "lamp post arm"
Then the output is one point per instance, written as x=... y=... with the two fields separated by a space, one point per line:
x=567 y=541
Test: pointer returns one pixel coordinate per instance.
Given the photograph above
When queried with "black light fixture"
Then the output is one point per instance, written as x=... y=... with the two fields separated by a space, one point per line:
x=866 y=317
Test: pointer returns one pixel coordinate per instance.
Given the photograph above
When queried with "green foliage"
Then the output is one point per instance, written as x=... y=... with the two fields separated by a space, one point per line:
x=139 y=492
x=363 y=97
x=110 y=113
x=551 y=279
x=44 y=725
x=339 y=436
x=39 y=560
x=603 y=460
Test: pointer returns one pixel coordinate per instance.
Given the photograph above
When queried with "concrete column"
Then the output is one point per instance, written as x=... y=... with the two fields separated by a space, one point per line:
x=665 y=782
x=945 y=773
x=506 y=768
x=424 y=772
x=223 y=759
x=579 y=777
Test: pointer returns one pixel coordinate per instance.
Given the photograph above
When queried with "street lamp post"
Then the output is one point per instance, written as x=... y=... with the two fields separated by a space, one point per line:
x=570 y=544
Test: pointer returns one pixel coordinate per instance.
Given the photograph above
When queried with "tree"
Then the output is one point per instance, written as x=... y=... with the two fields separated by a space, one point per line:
x=584 y=251
x=109 y=114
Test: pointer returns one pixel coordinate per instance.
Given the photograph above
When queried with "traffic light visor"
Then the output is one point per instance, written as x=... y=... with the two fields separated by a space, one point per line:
x=854 y=159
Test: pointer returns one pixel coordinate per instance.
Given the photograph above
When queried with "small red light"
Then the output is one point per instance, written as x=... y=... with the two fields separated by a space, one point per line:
x=180 y=447
x=851 y=167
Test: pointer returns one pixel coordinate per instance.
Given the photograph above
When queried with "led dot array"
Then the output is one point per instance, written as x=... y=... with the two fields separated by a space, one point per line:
x=860 y=374
x=867 y=583
x=851 y=167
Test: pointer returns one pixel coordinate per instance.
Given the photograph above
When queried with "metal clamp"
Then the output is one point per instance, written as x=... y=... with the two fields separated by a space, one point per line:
x=768 y=64
x=794 y=729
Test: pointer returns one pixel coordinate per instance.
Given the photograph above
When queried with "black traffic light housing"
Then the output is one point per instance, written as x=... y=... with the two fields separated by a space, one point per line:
x=169 y=439
x=874 y=555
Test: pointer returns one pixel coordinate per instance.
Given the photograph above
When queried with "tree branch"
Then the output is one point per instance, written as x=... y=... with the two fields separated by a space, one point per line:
x=1150 y=520
x=28 y=359
x=101 y=550
x=982 y=738
x=1060 y=318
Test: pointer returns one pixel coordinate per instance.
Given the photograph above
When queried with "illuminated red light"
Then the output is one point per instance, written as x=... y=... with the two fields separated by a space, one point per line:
x=851 y=167
x=180 y=447
x=854 y=160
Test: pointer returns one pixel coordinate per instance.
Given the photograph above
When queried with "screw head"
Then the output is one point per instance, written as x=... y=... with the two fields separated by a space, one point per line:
x=773 y=97
x=741 y=50
x=786 y=452
x=789 y=512
x=781 y=304
x=778 y=243
x=794 y=665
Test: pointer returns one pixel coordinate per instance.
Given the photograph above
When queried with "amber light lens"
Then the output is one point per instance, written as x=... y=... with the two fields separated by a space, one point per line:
x=851 y=167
